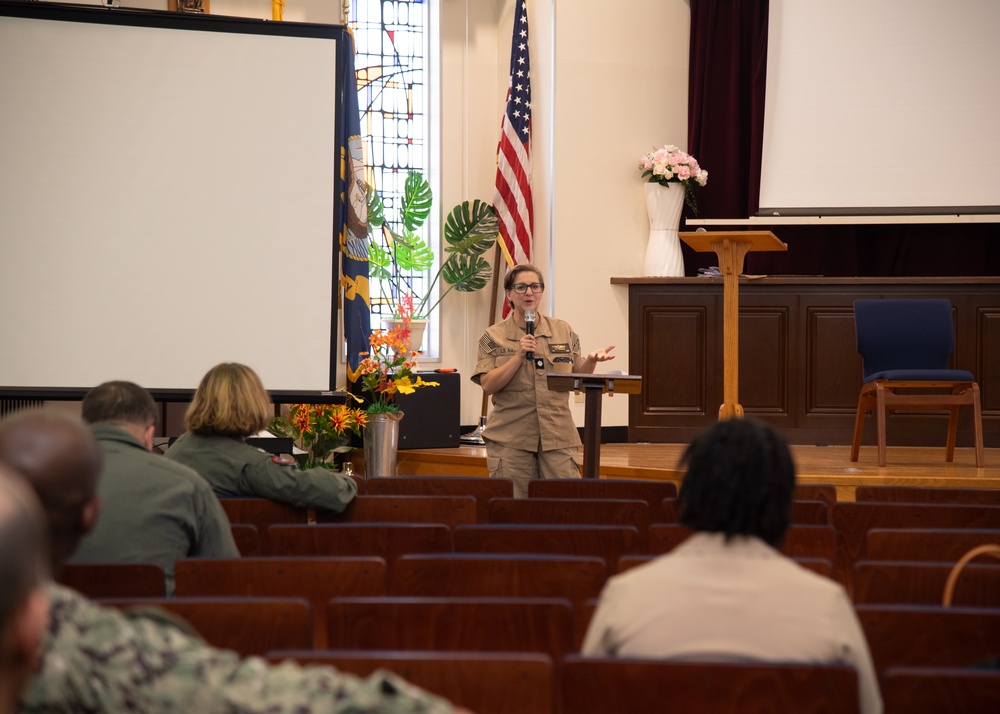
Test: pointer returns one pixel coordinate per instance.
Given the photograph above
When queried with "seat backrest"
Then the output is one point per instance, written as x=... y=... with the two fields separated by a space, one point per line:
x=929 y=636
x=449 y=510
x=475 y=624
x=247 y=538
x=114 y=579
x=801 y=541
x=262 y=512
x=923 y=583
x=944 y=545
x=251 y=626
x=904 y=334
x=386 y=540
x=933 y=690
x=315 y=578
x=479 y=487
x=573 y=577
x=608 y=542
x=482 y=682
x=572 y=511
x=599 y=686
x=653 y=492
x=928 y=494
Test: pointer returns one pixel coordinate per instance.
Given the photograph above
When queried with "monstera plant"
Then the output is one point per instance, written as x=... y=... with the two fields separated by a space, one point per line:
x=397 y=258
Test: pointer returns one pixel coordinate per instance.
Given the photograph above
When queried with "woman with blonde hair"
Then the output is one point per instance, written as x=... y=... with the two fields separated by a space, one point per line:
x=229 y=405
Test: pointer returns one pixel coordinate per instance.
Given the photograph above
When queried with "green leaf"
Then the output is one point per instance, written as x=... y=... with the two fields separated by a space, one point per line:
x=413 y=254
x=376 y=209
x=467 y=273
x=471 y=229
x=417 y=198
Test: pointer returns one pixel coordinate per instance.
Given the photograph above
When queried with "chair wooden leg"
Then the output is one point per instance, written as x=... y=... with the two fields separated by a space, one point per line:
x=949 y=454
x=859 y=424
x=977 y=426
x=880 y=422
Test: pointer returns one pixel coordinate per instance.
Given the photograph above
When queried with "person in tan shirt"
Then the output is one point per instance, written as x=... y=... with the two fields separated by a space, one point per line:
x=530 y=432
x=726 y=593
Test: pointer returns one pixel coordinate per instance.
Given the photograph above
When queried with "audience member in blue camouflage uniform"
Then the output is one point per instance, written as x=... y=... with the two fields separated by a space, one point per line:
x=24 y=603
x=153 y=510
x=229 y=405
x=97 y=659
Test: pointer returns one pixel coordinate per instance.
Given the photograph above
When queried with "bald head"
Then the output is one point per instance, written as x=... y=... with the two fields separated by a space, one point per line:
x=59 y=457
x=23 y=543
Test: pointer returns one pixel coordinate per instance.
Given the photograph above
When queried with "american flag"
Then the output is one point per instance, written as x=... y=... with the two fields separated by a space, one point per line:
x=512 y=198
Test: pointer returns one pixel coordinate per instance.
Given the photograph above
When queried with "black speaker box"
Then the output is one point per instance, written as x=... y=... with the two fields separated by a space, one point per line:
x=432 y=415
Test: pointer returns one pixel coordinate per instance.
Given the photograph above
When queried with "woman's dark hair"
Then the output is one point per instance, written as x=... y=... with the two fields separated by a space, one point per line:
x=740 y=480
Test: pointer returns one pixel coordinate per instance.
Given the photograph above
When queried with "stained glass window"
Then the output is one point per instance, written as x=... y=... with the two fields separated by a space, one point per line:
x=391 y=61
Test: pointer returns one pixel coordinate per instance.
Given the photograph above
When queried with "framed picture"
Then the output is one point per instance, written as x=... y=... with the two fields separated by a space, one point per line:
x=199 y=6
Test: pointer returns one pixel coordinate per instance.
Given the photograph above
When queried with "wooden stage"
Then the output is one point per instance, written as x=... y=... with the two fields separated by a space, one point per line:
x=906 y=466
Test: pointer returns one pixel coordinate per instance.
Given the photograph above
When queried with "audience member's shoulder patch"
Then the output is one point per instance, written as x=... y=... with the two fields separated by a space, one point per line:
x=283 y=460
x=487 y=343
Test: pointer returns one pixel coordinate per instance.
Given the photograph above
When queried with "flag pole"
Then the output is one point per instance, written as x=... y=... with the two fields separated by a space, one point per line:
x=476 y=437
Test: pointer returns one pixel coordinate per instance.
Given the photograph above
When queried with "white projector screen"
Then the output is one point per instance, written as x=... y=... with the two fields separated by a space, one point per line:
x=882 y=106
x=167 y=198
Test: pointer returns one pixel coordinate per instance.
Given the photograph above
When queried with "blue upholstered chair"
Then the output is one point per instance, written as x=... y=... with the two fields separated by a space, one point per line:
x=905 y=347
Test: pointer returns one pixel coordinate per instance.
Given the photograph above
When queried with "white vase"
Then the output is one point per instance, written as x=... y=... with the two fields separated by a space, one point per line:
x=663 y=251
x=417 y=328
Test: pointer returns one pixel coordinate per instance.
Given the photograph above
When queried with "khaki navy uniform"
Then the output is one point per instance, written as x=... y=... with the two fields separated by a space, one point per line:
x=153 y=510
x=530 y=431
x=100 y=659
x=234 y=468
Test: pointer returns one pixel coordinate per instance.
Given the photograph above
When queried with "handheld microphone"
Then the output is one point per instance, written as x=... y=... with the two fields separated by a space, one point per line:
x=529 y=327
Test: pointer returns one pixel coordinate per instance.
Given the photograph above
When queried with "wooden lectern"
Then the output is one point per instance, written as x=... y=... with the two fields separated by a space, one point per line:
x=731 y=247
x=594 y=386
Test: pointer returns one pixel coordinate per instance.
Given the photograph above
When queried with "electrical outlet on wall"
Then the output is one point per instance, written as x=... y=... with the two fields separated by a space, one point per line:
x=579 y=397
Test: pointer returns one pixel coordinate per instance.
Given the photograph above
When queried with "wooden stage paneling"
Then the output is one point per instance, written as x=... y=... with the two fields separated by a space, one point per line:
x=906 y=466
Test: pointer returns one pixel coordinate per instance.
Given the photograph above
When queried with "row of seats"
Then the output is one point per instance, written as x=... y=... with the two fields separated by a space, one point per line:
x=898 y=636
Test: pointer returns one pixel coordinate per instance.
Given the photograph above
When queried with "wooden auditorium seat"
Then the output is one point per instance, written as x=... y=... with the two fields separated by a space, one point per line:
x=652 y=492
x=262 y=512
x=854 y=520
x=928 y=494
x=600 y=686
x=517 y=624
x=572 y=511
x=98 y=580
x=386 y=540
x=940 y=690
x=575 y=578
x=482 y=682
x=482 y=489
x=923 y=583
x=247 y=538
x=825 y=492
x=810 y=513
x=607 y=542
x=449 y=510
x=929 y=636
x=944 y=545
x=316 y=579
x=820 y=566
x=800 y=541
x=248 y=625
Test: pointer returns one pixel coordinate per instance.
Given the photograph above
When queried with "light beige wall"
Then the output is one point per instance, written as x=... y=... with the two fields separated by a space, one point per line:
x=609 y=82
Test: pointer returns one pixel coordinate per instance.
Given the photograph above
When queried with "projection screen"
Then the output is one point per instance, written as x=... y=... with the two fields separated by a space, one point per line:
x=882 y=106
x=168 y=198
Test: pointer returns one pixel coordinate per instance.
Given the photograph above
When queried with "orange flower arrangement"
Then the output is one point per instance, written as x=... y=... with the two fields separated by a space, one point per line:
x=320 y=431
x=388 y=367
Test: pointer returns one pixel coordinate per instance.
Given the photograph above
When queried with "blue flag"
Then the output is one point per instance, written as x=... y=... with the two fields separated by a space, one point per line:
x=354 y=224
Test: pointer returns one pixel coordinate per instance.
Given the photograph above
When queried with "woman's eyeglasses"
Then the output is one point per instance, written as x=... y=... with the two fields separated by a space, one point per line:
x=521 y=288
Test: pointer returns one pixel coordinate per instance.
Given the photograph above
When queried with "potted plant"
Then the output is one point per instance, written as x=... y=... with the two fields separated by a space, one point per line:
x=397 y=257
x=319 y=431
